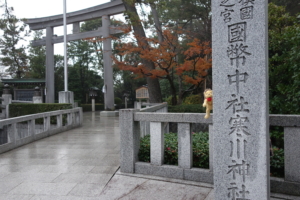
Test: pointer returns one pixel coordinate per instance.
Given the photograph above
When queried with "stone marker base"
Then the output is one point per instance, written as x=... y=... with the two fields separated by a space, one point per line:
x=109 y=113
x=66 y=97
x=37 y=99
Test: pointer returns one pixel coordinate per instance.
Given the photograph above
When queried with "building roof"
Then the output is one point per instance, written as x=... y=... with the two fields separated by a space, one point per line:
x=24 y=81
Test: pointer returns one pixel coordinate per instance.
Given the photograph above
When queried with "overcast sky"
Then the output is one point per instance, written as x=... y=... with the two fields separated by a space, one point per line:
x=43 y=8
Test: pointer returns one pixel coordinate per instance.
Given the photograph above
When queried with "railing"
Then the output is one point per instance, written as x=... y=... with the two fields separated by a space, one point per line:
x=19 y=131
x=156 y=108
x=130 y=139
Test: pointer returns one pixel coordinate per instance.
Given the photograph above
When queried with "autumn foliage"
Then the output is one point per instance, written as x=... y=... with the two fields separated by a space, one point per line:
x=165 y=55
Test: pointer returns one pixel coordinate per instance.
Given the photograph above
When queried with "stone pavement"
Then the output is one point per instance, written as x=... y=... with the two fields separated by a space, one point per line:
x=82 y=164
x=76 y=164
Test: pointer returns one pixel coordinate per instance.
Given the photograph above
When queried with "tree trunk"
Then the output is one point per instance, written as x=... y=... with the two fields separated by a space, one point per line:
x=173 y=90
x=157 y=22
x=153 y=84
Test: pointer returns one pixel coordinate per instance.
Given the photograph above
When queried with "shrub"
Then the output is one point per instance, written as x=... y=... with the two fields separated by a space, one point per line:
x=144 y=152
x=118 y=100
x=20 y=109
x=168 y=100
x=193 y=99
x=277 y=162
x=200 y=149
x=196 y=108
x=201 y=152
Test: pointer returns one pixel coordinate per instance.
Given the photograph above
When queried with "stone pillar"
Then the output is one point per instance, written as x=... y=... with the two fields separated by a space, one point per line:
x=37 y=97
x=156 y=143
x=291 y=154
x=6 y=100
x=49 y=66
x=66 y=97
x=108 y=70
x=76 y=27
x=93 y=104
x=240 y=87
x=185 y=152
x=130 y=140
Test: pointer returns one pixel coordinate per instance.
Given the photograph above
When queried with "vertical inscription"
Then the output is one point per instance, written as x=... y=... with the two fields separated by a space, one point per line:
x=236 y=60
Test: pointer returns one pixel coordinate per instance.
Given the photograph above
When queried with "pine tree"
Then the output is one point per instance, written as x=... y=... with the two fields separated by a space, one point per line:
x=13 y=53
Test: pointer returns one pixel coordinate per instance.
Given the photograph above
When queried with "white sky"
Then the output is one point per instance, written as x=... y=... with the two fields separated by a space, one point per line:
x=43 y=8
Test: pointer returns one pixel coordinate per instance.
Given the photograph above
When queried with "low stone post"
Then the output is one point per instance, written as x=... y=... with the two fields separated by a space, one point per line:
x=6 y=100
x=130 y=138
x=185 y=153
x=93 y=104
x=291 y=153
x=126 y=102
x=37 y=97
x=156 y=143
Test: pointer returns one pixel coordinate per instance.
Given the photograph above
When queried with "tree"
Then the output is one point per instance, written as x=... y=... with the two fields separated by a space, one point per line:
x=37 y=59
x=163 y=55
x=13 y=53
x=284 y=59
x=292 y=6
x=153 y=84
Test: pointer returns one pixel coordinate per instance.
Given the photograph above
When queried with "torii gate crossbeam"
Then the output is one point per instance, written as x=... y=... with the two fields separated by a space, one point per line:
x=103 y=11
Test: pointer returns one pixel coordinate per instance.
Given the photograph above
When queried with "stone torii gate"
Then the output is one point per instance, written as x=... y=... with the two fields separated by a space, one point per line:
x=103 y=11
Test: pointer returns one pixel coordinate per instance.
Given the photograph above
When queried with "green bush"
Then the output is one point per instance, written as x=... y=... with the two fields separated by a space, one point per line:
x=196 y=108
x=193 y=99
x=78 y=102
x=144 y=152
x=201 y=152
x=200 y=149
x=169 y=99
x=118 y=100
x=277 y=162
x=20 y=109
x=88 y=107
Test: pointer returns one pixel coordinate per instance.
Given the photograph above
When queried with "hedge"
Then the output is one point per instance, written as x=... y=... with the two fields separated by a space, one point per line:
x=201 y=152
x=20 y=109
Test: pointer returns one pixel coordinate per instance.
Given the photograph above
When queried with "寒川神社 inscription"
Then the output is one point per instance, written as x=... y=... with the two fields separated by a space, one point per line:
x=240 y=84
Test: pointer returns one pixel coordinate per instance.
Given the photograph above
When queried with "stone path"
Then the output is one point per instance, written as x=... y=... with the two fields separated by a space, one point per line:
x=76 y=164
x=82 y=164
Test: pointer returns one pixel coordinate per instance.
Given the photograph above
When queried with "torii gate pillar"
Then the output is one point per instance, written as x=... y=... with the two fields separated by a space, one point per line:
x=108 y=70
x=49 y=66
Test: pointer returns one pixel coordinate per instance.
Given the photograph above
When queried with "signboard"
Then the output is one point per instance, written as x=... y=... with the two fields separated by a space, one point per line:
x=142 y=93
x=24 y=95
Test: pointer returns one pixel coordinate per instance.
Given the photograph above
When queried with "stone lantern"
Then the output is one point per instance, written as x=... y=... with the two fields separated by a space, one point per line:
x=93 y=92
x=37 y=97
x=126 y=95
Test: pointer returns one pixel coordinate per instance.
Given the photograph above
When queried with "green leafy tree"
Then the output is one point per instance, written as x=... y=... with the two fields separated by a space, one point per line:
x=284 y=61
x=13 y=53
x=292 y=6
x=37 y=59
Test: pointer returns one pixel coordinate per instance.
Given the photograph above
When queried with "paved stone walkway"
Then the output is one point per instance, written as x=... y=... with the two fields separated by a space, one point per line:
x=76 y=164
x=82 y=164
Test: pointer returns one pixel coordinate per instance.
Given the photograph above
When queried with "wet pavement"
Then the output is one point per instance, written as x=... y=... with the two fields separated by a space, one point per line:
x=76 y=164
x=82 y=164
